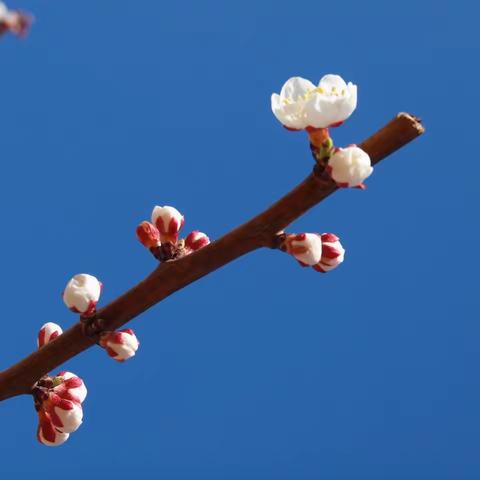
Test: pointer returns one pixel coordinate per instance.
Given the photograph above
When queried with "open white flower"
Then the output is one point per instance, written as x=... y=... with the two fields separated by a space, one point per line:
x=301 y=104
x=350 y=166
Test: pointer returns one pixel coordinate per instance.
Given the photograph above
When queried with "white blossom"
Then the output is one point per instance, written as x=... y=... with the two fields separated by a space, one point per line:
x=301 y=104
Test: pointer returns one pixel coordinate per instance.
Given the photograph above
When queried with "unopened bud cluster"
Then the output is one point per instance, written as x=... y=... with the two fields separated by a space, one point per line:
x=13 y=21
x=58 y=401
x=161 y=235
x=322 y=252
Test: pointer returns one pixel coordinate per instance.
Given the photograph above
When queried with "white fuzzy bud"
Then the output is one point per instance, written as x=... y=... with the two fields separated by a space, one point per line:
x=349 y=166
x=82 y=293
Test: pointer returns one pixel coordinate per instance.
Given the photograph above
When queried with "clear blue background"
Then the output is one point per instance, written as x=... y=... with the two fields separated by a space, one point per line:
x=262 y=370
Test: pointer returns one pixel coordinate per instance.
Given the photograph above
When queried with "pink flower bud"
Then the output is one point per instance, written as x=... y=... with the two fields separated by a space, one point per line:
x=196 y=240
x=120 y=345
x=305 y=247
x=169 y=221
x=70 y=387
x=50 y=331
x=47 y=433
x=66 y=416
x=148 y=235
x=333 y=253
x=82 y=293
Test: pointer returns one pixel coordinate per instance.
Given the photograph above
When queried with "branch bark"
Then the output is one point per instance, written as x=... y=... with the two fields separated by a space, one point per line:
x=169 y=277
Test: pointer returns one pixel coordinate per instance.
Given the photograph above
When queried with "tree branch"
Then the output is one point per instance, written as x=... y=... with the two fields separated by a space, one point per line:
x=169 y=277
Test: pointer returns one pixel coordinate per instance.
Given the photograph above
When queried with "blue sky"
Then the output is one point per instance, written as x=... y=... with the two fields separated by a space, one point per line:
x=262 y=370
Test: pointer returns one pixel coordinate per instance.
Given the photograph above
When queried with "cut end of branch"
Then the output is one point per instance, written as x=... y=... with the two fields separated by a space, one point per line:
x=394 y=135
x=415 y=122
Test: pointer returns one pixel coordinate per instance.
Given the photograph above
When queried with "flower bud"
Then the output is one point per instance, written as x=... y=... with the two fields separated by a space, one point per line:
x=50 y=331
x=65 y=415
x=120 y=345
x=349 y=167
x=47 y=433
x=169 y=221
x=305 y=247
x=70 y=387
x=196 y=240
x=333 y=253
x=82 y=293
x=148 y=235
x=14 y=21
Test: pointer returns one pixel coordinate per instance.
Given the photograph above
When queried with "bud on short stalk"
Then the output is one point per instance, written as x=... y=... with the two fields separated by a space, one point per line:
x=120 y=345
x=82 y=293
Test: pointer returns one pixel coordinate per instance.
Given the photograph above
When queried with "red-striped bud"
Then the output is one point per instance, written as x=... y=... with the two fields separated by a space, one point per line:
x=120 y=345
x=148 y=235
x=333 y=253
x=305 y=247
x=65 y=415
x=70 y=387
x=50 y=331
x=169 y=221
x=47 y=433
x=196 y=240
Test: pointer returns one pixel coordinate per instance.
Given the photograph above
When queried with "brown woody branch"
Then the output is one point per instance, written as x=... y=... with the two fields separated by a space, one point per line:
x=169 y=277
